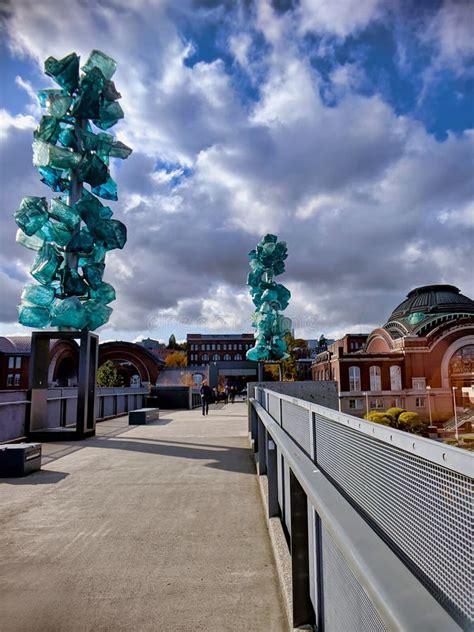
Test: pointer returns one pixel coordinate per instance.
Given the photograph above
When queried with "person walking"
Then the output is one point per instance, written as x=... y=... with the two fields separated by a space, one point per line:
x=232 y=394
x=206 y=394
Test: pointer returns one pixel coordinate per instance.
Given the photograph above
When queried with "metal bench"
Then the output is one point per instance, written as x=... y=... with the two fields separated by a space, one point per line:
x=19 y=459
x=143 y=416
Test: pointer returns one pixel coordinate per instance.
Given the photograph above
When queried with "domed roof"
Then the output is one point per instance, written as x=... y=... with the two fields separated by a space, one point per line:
x=423 y=304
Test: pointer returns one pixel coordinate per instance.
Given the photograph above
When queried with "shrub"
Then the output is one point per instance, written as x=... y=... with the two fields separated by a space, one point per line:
x=395 y=413
x=379 y=418
x=411 y=422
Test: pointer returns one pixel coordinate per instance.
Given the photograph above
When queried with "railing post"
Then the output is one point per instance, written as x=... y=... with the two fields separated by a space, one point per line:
x=261 y=441
x=272 y=476
x=303 y=613
x=254 y=426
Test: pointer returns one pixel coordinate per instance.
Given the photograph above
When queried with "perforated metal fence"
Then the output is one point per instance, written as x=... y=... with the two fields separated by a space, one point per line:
x=415 y=493
x=346 y=604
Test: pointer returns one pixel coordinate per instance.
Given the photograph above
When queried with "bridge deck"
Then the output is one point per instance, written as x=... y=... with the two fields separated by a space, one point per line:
x=155 y=527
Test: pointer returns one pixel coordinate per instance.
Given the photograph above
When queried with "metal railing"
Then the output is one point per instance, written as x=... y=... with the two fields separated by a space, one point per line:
x=373 y=493
x=62 y=407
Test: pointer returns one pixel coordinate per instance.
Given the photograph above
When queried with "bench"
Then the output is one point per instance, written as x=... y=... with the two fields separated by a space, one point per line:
x=143 y=416
x=19 y=459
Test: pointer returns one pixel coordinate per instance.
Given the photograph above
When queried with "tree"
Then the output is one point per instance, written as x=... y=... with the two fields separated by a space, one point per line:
x=176 y=360
x=107 y=375
x=172 y=344
x=297 y=348
x=395 y=413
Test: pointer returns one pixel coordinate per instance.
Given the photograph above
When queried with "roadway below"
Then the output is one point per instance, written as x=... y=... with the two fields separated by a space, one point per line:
x=157 y=527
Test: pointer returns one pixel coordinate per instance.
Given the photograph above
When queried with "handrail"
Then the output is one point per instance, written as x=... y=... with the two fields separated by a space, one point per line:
x=401 y=600
x=443 y=454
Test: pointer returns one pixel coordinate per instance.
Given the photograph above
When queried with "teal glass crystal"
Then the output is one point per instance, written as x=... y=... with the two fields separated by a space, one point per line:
x=107 y=191
x=267 y=261
x=97 y=314
x=93 y=273
x=32 y=242
x=48 y=155
x=53 y=178
x=40 y=295
x=48 y=130
x=92 y=170
x=57 y=233
x=64 y=71
x=104 y=293
x=98 y=59
x=45 y=265
x=32 y=214
x=69 y=312
x=82 y=242
x=73 y=284
x=33 y=316
x=73 y=232
x=64 y=213
x=110 y=113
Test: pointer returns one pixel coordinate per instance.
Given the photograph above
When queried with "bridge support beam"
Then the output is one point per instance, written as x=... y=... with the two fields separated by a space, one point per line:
x=303 y=613
x=262 y=447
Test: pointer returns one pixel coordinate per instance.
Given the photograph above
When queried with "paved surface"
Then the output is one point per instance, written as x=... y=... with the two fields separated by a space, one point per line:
x=157 y=527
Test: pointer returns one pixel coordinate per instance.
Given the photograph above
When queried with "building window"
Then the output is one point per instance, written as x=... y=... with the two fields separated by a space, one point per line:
x=398 y=402
x=354 y=378
x=395 y=378
x=375 y=378
x=240 y=347
x=205 y=357
x=10 y=379
x=216 y=357
x=419 y=383
x=18 y=362
x=237 y=356
x=218 y=347
x=213 y=347
x=224 y=347
x=11 y=362
x=17 y=379
x=326 y=374
x=376 y=403
x=356 y=404
x=227 y=357
x=420 y=402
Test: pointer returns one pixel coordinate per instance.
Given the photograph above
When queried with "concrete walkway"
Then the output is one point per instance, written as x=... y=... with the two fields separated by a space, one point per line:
x=156 y=527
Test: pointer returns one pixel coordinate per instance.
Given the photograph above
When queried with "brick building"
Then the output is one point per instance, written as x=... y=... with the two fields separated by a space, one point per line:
x=14 y=362
x=224 y=354
x=424 y=350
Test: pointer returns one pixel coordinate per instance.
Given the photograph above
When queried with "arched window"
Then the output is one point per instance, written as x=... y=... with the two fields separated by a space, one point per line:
x=395 y=378
x=204 y=357
x=216 y=357
x=375 y=378
x=227 y=357
x=354 y=378
x=237 y=356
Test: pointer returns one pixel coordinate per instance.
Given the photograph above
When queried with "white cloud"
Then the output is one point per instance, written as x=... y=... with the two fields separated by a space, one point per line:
x=340 y=17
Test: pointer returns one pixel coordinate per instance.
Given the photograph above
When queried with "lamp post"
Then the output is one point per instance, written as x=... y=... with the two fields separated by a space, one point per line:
x=428 y=389
x=455 y=388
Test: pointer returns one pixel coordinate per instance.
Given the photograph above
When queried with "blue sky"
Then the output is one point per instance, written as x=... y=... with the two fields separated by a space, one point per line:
x=348 y=133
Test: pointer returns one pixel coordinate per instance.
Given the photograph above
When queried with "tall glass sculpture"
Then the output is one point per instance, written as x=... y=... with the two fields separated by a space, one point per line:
x=269 y=297
x=72 y=233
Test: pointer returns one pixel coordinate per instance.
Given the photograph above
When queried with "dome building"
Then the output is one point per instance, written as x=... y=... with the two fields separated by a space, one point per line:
x=425 y=348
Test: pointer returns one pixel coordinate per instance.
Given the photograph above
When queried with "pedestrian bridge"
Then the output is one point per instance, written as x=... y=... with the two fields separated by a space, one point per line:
x=169 y=527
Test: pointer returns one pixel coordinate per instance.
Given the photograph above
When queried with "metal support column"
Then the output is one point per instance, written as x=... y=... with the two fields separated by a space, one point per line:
x=254 y=431
x=303 y=613
x=272 y=475
x=262 y=446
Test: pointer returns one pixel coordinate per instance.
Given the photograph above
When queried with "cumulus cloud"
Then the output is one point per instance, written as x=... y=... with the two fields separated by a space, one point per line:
x=369 y=203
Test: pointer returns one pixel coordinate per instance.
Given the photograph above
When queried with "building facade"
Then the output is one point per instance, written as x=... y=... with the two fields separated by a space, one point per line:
x=224 y=354
x=14 y=362
x=422 y=359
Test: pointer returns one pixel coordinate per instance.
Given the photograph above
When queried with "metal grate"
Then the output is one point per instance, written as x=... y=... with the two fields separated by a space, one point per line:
x=296 y=422
x=274 y=408
x=424 y=510
x=347 y=607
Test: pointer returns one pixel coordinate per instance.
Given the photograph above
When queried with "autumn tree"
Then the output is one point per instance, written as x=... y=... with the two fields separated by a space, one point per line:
x=107 y=375
x=176 y=360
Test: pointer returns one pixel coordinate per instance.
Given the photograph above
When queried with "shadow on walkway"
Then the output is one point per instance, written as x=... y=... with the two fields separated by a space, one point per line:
x=232 y=459
x=42 y=477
